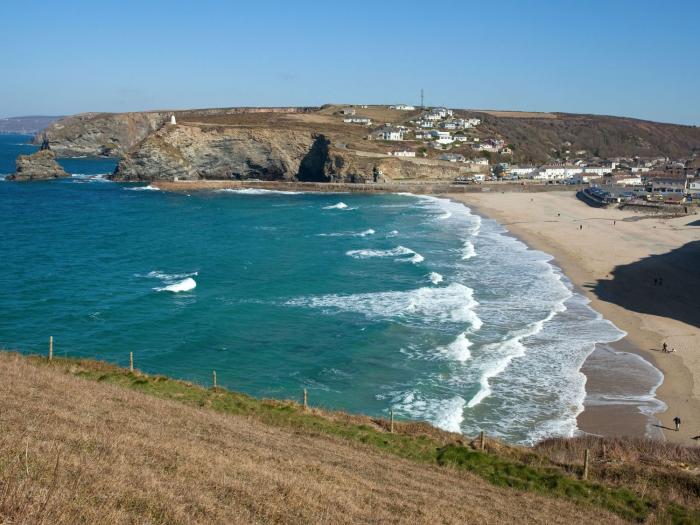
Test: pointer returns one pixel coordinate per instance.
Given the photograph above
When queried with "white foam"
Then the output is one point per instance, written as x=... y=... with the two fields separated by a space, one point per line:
x=457 y=350
x=143 y=188
x=398 y=252
x=338 y=206
x=435 y=278
x=445 y=215
x=364 y=233
x=167 y=277
x=503 y=353
x=182 y=286
x=453 y=303
x=468 y=250
x=392 y=233
x=446 y=414
x=257 y=191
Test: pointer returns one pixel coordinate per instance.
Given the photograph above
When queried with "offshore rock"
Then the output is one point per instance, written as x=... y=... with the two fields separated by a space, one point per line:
x=41 y=165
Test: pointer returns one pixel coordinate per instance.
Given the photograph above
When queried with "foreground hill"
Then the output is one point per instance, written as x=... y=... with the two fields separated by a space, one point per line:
x=85 y=442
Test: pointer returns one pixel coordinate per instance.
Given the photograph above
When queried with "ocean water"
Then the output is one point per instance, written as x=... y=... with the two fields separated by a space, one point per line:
x=371 y=302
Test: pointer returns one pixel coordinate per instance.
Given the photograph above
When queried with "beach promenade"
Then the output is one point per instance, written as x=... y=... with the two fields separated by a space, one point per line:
x=639 y=272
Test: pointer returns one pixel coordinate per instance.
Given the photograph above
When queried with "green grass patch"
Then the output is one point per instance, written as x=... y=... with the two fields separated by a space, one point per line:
x=548 y=481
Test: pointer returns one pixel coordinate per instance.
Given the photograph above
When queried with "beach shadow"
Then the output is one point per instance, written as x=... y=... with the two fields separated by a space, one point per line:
x=665 y=285
x=665 y=428
x=694 y=223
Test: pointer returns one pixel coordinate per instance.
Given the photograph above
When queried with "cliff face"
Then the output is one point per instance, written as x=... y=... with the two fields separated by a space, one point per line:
x=41 y=165
x=191 y=153
x=106 y=134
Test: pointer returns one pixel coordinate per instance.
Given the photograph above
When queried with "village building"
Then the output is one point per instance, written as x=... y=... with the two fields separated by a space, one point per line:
x=520 y=171
x=355 y=119
x=403 y=107
x=347 y=111
x=388 y=133
x=556 y=172
x=402 y=153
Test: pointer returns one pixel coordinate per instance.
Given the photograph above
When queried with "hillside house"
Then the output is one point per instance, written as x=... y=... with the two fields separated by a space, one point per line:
x=595 y=171
x=402 y=153
x=356 y=119
x=556 y=172
x=442 y=137
x=403 y=107
x=520 y=171
x=388 y=133
x=347 y=111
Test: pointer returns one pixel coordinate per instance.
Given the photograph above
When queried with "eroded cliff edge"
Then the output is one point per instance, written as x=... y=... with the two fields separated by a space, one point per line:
x=191 y=152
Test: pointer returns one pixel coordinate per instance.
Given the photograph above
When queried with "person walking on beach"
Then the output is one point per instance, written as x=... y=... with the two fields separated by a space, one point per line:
x=677 y=422
x=664 y=348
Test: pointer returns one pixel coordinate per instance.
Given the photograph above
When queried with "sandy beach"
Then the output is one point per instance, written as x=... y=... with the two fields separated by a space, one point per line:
x=640 y=273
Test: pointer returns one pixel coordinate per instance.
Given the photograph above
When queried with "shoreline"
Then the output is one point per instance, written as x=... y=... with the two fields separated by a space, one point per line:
x=541 y=226
x=645 y=333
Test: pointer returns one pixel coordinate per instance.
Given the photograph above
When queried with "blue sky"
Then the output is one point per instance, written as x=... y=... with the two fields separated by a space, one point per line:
x=618 y=57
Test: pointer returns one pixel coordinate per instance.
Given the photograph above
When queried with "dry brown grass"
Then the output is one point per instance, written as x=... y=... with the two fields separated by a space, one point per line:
x=79 y=451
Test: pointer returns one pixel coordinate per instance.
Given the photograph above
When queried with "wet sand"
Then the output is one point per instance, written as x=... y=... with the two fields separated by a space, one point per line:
x=616 y=260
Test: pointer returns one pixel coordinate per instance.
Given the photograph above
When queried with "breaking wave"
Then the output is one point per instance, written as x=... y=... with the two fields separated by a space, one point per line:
x=182 y=286
x=338 y=206
x=365 y=233
x=257 y=191
x=435 y=278
x=397 y=252
x=143 y=188
x=454 y=303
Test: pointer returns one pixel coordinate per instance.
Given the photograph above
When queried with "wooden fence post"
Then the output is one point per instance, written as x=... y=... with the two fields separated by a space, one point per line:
x=585 y=465
x=391 y=428
x=131 y=362
x=213 y=375
x=482 y=441
x=306 y=400
x=50 y=347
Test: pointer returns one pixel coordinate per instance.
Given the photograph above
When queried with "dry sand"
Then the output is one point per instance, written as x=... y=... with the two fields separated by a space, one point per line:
x=615 y=265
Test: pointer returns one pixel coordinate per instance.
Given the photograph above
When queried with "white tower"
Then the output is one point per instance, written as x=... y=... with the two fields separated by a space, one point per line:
x=172 y=119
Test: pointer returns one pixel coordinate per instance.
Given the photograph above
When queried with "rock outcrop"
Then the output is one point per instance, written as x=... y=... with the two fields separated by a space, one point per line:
x=100 y=134
x=41 y=165
x=192 y=153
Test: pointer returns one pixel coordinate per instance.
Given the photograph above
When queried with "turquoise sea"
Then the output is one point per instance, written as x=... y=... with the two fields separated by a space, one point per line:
x=371 y=302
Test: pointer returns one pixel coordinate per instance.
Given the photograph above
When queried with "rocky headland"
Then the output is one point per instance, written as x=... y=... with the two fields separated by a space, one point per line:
x=41 y=165
x=314 y=144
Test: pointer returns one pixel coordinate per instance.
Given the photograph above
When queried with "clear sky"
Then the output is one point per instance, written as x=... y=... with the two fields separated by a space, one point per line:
x=621 y=57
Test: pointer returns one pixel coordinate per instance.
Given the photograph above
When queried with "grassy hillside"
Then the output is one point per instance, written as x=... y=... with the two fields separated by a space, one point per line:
x=86 y=442
x=539 y=137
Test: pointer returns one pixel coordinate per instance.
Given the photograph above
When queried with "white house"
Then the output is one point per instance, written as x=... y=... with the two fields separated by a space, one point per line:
x=355 y=119
x=402 y=153
x=520 y=171
x=347 y=111
x=632 y=180
x=172 y=120
x=597 y=171
x=388 y=133
x=481 y=161
x=442 y=137
x=403 y=107
x=556 y=172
